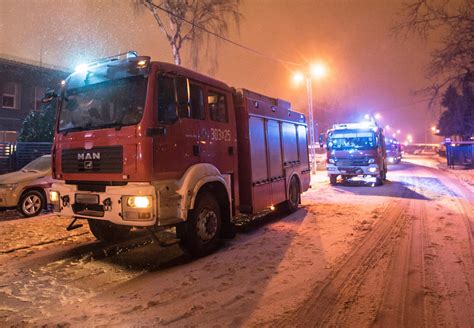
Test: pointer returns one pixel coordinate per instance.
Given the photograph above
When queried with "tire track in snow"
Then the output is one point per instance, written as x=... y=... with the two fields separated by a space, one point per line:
x=330 y=302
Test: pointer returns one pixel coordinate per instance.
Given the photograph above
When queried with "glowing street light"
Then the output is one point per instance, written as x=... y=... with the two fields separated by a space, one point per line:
x=316 y=71
x=298 y=77
x=433 y=128
x=377 y=116
x=398 y=131
x=387 y=127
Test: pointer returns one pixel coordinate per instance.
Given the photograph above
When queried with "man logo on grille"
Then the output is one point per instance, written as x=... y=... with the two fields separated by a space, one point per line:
x=86 y=156
x=88 y=165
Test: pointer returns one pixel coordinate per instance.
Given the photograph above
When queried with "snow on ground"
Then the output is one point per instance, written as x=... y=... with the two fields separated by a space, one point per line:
x=256 y=270
x=269 y=271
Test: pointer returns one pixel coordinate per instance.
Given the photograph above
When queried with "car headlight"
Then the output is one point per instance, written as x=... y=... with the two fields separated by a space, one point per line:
x=331 y=161
x=139 y=201
x=371 y=160
x=391 y=159
x=9 y=186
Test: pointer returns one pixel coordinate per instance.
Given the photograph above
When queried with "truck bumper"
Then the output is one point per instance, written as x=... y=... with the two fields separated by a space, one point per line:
x=372 y=169
x=111 y=205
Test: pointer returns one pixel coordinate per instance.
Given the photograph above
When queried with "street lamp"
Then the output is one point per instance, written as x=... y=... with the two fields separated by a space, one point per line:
x=316 y=71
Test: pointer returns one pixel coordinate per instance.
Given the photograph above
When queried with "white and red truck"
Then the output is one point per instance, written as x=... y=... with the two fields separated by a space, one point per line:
x=140 y=143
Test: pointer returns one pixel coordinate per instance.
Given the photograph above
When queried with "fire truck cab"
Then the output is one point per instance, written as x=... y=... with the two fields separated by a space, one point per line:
x=355 y=149
x=140 y=143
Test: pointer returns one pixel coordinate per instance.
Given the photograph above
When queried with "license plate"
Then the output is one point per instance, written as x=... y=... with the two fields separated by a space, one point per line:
x=87 y=199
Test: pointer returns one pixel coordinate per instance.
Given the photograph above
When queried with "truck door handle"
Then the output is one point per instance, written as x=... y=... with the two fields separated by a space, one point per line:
x=230 y=150
x=159 y=131
x=196 y=150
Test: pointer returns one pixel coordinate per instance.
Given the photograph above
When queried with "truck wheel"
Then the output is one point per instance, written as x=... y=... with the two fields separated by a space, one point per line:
x=333 y=179
x=293 y=195
x=31 y=203
x=383 y=175
x=203 y=226
x=108 y=232
x=379 y=180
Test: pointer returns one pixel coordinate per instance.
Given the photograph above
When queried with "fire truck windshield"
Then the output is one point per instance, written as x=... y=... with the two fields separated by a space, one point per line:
x=351 y=139
x=113 y=103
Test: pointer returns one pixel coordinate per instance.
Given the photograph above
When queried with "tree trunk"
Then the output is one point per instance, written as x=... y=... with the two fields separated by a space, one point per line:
x=176 y=55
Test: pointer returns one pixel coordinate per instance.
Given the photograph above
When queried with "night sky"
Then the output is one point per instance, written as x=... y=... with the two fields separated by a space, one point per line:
x=370 y=70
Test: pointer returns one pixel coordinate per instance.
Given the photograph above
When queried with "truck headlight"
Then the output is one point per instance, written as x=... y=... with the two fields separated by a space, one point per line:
x=372 y=169
x=371 y=160
x=139 y=201
x=331 y=160
x=54 y=196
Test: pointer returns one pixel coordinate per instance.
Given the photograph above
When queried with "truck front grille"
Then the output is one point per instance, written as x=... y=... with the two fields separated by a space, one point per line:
x=352 y=162
x=94 y=160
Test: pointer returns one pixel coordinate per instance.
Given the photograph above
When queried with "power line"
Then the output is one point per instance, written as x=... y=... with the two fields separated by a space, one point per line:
x=259 y=53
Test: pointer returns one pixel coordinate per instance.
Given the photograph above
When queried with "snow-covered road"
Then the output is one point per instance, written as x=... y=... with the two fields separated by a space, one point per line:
x=353 y=255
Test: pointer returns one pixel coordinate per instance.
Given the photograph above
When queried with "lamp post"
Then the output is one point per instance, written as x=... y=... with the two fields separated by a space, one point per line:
x=316 y=71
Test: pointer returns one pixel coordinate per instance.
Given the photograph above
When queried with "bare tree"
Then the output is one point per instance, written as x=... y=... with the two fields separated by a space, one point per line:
x=453 y=62
x=193 y=22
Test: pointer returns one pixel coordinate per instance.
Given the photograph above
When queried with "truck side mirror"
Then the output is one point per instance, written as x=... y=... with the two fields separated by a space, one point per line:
x=49 y=96
x=321 y=140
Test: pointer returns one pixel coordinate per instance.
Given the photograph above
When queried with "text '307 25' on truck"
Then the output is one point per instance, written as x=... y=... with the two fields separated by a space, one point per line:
x=356 y=149
x=140 y=143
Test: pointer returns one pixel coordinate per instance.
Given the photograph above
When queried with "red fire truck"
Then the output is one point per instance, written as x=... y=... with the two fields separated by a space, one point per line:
x=140 y=143
x=356 y=149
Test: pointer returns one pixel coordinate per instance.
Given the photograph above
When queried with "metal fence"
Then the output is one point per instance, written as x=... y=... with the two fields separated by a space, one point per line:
x=15 y=155
x=460 y=153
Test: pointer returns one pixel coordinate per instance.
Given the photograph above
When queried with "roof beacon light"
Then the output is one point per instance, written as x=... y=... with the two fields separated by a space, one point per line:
x=81 y=68
x=132 y=54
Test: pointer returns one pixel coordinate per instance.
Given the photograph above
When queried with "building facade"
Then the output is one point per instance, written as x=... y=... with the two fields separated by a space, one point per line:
x=22 y=86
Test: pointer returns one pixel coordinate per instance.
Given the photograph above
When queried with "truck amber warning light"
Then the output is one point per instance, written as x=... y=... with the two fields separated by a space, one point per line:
x=141 y=143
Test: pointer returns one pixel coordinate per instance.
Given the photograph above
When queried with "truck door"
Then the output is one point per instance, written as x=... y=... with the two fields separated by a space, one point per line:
x=176 y=147
x=217 y=134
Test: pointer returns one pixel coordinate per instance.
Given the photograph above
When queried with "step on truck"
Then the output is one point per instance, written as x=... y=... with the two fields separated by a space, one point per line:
x=356 y=149
x=141 y=143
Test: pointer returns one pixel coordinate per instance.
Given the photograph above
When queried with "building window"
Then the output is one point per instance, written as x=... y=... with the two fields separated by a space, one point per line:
x=39 y=95
x=9 y=96
x=8 y=136
x=217 y=107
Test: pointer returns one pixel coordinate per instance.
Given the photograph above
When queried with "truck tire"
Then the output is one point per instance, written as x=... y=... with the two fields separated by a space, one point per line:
x=32 y=202
x=203 y=226
x=333 y=179
x=380 y=179
x=293 y=195
x=108 y=232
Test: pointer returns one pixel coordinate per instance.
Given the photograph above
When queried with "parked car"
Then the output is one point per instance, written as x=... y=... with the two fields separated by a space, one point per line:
x=27 y=189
